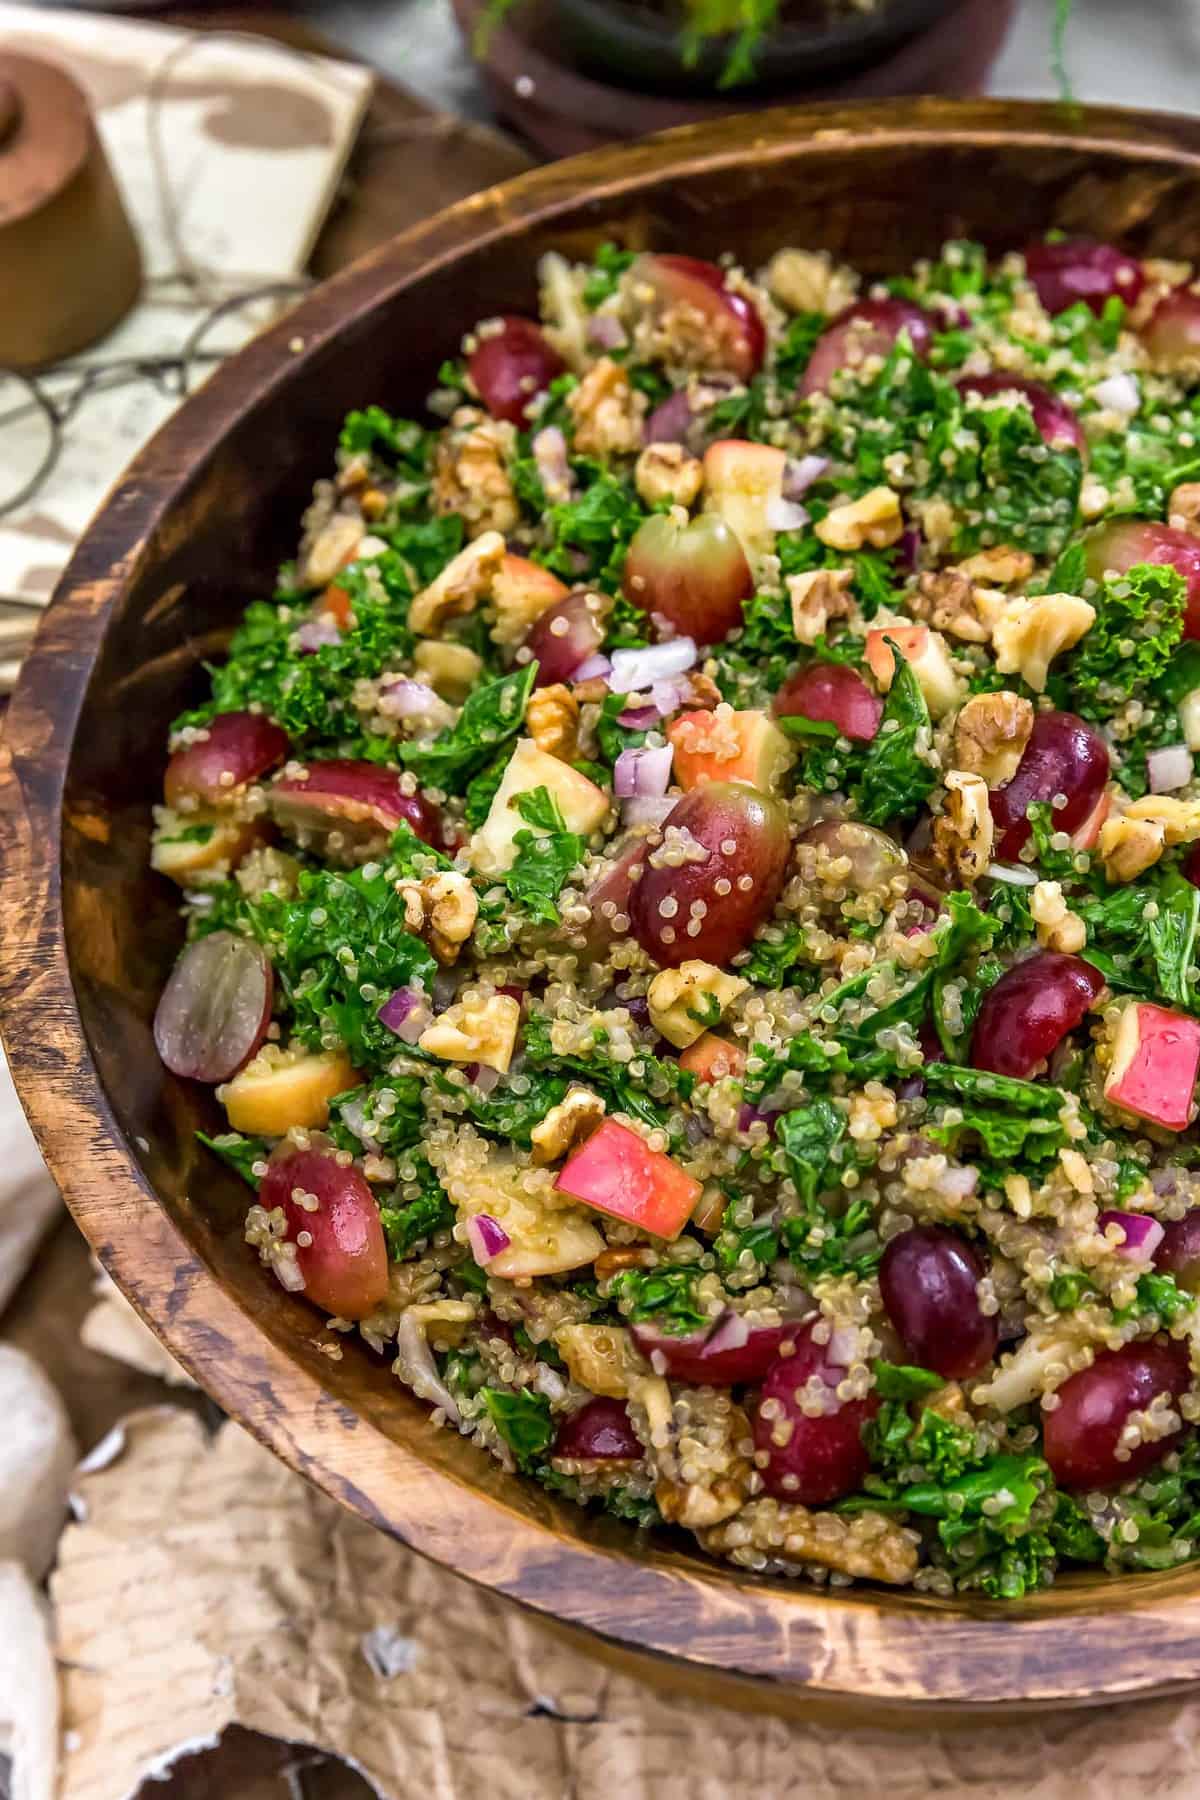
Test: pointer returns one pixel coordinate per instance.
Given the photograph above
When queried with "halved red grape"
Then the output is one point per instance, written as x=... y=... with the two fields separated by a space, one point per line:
x=1080 y=268
x=344 y=1262
x=1178 y=1252
x=1172 y=334
x=599 y=1432
x=567 y=634
x=609 y=900
x=865 y=328
x=1063 y=756
x=215 y=1008
x=511 y=366
x=715 y=328
x=712 y=875
x=1083 y=1433
x=929 y=1279
x=823 y=1457
x=238 y=747
x=695 y=576
x=1031 y=1009
x=875 y=858
x=1052 y=416
x=1122 y=544
x=834 y=692
x=349 y=808
x=728 y=1353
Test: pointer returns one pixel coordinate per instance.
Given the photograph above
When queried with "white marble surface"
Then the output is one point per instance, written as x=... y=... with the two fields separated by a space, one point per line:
x=1134 y=54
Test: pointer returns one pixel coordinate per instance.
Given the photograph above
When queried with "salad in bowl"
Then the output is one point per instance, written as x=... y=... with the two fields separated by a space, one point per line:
x=692 y=888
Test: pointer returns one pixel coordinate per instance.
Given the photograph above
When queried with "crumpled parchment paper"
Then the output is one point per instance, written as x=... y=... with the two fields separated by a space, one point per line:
x=204 y=1584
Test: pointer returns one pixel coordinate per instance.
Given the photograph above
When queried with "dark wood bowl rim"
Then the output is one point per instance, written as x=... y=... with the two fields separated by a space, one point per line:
x=1082 y=1641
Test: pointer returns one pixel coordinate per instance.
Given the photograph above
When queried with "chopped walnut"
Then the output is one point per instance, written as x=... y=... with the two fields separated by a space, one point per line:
x=952 y=602
x=990 y=735
x=608 y=411
x=808 y=281
x=963 y=832
x=450 y=669
x=1058 y=928
x=552 y=720
x=936 y=519
x=1129 y=846
x=475 y=1030
x=575 y=1117
x=1031 y=633
x=443 y=909
x=699 y=691
x=1183 y=507
x=1180 y=819
x=1001 y=567
x=626 y=1256
x=709 y=1450
x=817 y=596
x=667 y=472
x=335 y=544
x=600 y=1357
x=875 y=520
x=864 y=1544
x=461 y=585
x=471 y=472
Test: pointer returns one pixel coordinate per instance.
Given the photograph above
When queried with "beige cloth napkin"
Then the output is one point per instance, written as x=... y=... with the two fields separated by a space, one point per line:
x=204 y=1584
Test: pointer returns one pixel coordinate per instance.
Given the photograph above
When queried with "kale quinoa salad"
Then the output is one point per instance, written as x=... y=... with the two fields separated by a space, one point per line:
x=693 y=892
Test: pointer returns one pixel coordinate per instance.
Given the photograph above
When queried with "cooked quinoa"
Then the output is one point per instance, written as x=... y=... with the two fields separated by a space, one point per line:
x=691 y=888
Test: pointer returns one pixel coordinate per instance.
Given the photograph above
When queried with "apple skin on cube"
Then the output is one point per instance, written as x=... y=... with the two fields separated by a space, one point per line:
x=712 y=1058
x=925 y=652
x=759 y=756
x=583 y=805
x=743 y=482
x=618 y=1173
x=1155 y=1059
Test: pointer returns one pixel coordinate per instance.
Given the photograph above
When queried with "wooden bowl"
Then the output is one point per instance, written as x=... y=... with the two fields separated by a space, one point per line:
x=87 y=933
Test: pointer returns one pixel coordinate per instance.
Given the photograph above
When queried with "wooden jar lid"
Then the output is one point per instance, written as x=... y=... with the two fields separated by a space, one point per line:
x=70 y=267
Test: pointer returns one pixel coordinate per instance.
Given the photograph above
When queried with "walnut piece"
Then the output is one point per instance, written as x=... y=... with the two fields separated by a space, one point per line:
x=1058 y=928
x=600 y=1357
x=1183 y=507
x=1180 y=819
x=460 y=587
x=1000 y=567
x=963 y=832
x=817 y=596
x=688 y=1001
x=471 y=472
x=608 y=411
x=1129 y=846
x=952 y=602
x=875 y=520
x=712 y=1445
x=667 y=472
x=443 y=909
x=552 y=720
x=475 y=1029
x=865 y=1544
x=334 y=545
x=990 y=735
x=575 y=1117
x=1031 y=633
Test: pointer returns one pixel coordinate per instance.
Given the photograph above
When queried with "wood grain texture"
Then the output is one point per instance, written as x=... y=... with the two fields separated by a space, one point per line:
x=87 y=933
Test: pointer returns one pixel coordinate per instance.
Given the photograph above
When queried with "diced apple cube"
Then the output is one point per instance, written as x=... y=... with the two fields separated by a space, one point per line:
x=583 y=805
x=926 y=653
x=195 y=860
x=521 y=592
x=285 y=1089
x=743 y=482
x=1189 y=719
x=729 y=746
x=618 y=1173
x=712 y=1058
x=1155 y=1058
x=544 y=1238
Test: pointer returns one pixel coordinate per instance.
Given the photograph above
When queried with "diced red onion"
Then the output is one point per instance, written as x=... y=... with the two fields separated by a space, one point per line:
x=958 y=1182
x=550 y=455
x=908 y=551
x=669 y=423
x=481 y=1076
x=607 y=332
x=799 y=473
x=549 y=1382
x=406 y=1013
x=1015 y=875
x=731 y=1332
x=1142 y=1235
x=633 y=671
x=406 y=699
x=639 y=718
x=1119 y=393
x=314 y=634
x=291 y=1275
x=646 y=773
x=648 y=809
x=415 y=1365
x=1169 y=768
x=595 y=666
x=785 y=515
x=668 y=696
x=487 y=1238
